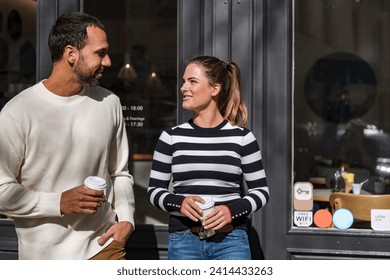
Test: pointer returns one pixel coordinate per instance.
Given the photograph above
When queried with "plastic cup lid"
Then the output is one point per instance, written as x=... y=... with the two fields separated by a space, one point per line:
x=95 y=182
x=208 y=202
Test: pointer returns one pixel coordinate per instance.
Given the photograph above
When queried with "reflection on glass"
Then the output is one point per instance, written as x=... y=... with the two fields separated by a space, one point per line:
x=143 y=48
x=17 y=47
x=342 y=93
x=340 y=87
x=142 y=37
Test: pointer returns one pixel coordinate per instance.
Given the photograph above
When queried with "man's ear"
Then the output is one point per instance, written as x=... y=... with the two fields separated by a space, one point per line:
x=70 y=54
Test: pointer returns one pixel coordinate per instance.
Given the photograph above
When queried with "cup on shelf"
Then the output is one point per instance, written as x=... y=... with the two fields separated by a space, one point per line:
x=356 y=188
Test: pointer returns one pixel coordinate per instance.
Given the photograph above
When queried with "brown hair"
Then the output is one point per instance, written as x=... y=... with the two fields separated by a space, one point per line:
x=227 y=74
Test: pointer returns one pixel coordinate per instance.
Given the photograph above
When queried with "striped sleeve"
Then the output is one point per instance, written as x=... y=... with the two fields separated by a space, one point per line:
x=160 y=176
x=254 y=175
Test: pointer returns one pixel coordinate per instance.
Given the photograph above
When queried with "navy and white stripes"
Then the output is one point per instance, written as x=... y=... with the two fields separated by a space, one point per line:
x=208 y=161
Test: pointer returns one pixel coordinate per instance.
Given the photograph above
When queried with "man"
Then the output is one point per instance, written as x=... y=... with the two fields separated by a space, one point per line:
x=55 y=134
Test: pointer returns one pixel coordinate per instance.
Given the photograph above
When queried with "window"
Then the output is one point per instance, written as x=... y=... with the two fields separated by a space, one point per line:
x=342 y=96
x=17 y=47
x=143 y=48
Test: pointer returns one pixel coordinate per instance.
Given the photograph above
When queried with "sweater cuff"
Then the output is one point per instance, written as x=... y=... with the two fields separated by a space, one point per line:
x=239 y=210
x=175 y=202
x=49 y=204
x=125 y=213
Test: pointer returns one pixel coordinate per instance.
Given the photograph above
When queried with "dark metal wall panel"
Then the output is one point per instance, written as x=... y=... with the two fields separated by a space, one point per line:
x=207 y=21
x=242 y=25
x=256 y=117
x=222 y=24
x=277 y=131
x=48 y=12
x=256 y=85
x=4 y=255
x=8 y=241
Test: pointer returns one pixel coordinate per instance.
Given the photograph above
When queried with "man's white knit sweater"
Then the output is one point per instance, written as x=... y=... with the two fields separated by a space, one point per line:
x=49 y=144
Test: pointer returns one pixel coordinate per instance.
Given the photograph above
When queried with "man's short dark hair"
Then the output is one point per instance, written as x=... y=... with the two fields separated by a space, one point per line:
x=70 y=29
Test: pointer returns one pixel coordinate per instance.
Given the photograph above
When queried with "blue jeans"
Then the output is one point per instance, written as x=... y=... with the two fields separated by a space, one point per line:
x=185 y=245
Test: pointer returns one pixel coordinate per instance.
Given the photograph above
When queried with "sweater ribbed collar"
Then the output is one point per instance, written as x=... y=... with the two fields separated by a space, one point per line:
x=218 y=127
x=55 y=99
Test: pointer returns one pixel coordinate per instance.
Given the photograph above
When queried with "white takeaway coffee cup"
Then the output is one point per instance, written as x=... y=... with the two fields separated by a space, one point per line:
x=95 y=183
x=207 y=206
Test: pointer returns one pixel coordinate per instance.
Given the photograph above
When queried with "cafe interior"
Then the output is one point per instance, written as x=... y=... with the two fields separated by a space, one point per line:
x=341 y=105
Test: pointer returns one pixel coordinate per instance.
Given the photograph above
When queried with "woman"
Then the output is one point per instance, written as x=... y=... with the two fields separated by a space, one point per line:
x=208 y=157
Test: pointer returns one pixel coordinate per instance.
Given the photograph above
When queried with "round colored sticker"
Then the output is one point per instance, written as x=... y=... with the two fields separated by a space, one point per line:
x=323 y=218
x=342 y=218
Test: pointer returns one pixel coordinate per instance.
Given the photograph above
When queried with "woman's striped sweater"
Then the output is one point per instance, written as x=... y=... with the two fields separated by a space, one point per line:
x=208 y=161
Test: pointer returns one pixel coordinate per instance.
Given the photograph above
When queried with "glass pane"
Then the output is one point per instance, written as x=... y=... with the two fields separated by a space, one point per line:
x=142 y=38
x=342 y=97
x=17 y=48
x=143 y=50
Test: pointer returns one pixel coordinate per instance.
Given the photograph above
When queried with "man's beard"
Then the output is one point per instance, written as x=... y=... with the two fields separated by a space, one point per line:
x=86 y=79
